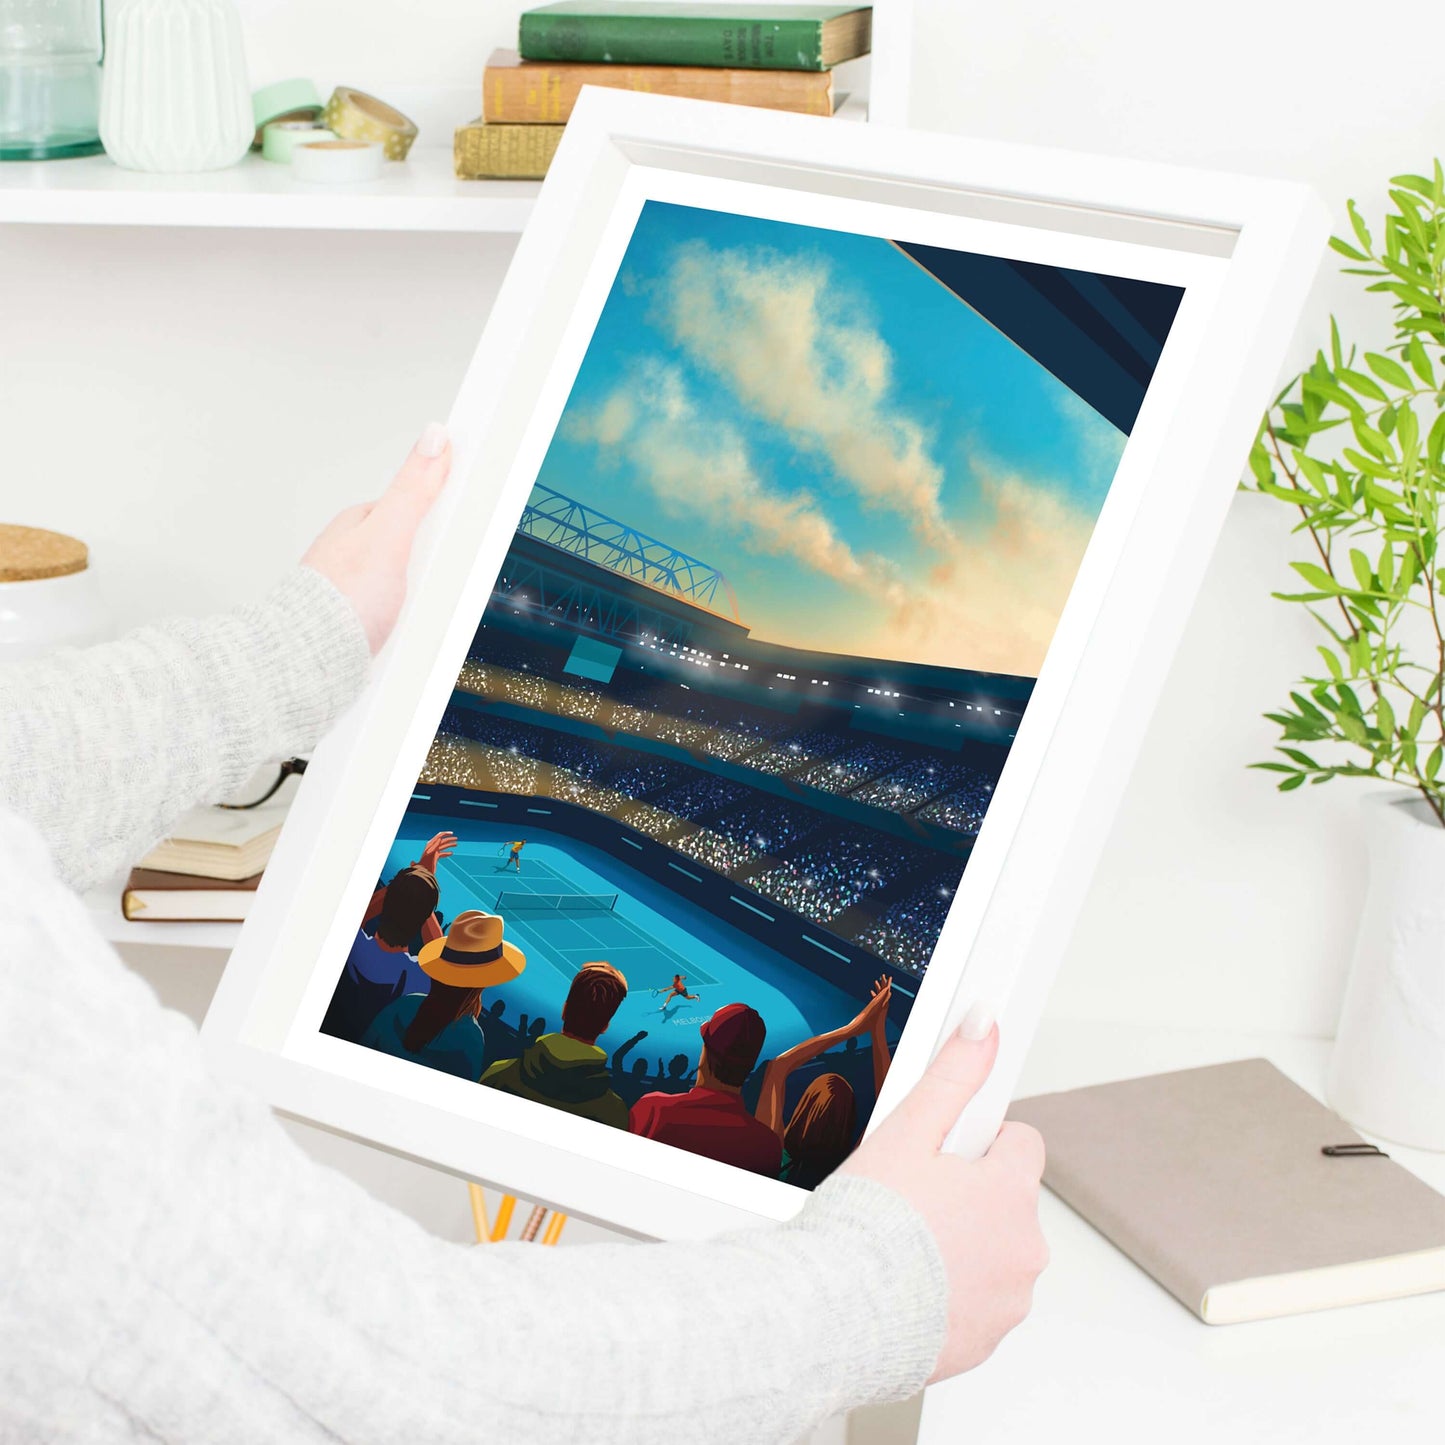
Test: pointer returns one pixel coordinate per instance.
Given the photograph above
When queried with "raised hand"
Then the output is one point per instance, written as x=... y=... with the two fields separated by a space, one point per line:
x=877 y=1007
x=440 y=845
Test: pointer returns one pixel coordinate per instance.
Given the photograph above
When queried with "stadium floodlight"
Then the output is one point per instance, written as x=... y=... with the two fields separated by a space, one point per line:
x=1226 y=262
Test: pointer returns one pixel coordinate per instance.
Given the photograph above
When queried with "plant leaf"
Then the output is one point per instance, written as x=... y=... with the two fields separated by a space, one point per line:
x=1388 y=370
x=1358 y=381
x=1419 y=360
x=1316 y=576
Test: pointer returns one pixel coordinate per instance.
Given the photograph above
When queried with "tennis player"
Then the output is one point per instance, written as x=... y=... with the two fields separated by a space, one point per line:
x=676 y=991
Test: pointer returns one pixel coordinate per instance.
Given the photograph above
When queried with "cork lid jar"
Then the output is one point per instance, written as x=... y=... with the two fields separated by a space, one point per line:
x=48 y=597
x=28 y=554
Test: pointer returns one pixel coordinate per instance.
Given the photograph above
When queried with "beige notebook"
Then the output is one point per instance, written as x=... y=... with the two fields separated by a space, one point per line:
x=1213 y=1181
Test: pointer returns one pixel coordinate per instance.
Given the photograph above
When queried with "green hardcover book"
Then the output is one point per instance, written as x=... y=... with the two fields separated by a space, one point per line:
x=748 y=37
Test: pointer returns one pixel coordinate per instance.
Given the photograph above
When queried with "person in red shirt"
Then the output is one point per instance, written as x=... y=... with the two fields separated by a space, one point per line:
x=711 y=1118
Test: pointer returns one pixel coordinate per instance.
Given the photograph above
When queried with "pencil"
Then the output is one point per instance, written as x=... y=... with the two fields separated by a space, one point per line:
x=554 y=1229
x=533 y=1224
x=479 y=1212
x=504 y=1217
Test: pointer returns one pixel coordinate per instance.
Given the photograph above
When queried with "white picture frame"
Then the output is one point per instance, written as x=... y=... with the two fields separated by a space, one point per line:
x=1244 y=250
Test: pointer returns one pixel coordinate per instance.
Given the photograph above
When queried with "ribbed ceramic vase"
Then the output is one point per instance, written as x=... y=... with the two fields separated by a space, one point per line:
x=175 y=95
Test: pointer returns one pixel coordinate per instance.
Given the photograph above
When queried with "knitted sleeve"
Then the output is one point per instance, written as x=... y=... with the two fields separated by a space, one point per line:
x=176 y=1268
x=103 y=747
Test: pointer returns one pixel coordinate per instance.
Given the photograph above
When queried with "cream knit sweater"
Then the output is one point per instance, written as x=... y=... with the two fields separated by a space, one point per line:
x=173 y=1268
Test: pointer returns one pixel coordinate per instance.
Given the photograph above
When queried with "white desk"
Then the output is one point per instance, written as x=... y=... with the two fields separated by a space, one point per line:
x=1107 y=1355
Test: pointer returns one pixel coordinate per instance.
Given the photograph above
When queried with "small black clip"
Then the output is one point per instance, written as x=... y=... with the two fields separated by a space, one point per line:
x=1353 y=1151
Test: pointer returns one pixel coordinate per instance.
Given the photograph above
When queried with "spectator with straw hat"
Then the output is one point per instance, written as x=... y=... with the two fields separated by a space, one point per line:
x=439 y=1028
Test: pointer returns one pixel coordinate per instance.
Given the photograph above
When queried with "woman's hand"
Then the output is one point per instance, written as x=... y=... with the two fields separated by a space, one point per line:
x=363 y=552
x=439 y=845
x=983 y=1212
x=875 y=1011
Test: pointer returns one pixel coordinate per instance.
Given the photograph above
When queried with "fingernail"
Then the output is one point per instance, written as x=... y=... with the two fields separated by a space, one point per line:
x=976 y=1023
x=433 y=441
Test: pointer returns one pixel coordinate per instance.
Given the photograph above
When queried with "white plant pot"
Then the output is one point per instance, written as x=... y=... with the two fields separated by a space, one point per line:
x=174 y=95
x=1387 y=1071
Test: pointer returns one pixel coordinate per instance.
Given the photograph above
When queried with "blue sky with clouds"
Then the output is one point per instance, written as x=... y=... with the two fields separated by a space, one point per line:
x=874 y=467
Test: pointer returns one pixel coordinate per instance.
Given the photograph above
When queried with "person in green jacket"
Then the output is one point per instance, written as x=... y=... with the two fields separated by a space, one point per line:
x=567 y=1070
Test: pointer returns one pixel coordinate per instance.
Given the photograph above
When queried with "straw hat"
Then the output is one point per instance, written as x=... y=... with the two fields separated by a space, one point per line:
x=473 y=954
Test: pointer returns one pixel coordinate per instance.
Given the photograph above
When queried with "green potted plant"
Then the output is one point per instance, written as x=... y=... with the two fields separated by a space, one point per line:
x=1356 y=445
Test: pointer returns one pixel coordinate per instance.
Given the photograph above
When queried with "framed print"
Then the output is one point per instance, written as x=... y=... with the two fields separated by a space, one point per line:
x=827 y=502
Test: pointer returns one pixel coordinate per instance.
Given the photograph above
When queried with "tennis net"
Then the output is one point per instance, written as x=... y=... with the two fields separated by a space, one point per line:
x=518 y=901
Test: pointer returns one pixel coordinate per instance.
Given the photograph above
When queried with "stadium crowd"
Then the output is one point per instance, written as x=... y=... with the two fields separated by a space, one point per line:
x=768 y=827
x=908 y=788
x=804 y=858
x=906 y=932
x=814 y=864
x=719 y=852
x=851 y=767
x=963 y=809
x=798 y=751
x=701 y=796
x=934 y=789
x=833 y=871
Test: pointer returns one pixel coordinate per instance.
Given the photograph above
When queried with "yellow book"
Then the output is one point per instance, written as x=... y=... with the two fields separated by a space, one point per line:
x=484 y=151
x=544 y=92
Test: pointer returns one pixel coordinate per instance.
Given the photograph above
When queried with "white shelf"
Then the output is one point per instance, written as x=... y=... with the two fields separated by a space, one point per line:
x=104 y=905
x=418 y=194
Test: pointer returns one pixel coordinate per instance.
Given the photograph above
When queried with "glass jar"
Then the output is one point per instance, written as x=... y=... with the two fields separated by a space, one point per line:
x=50 y=53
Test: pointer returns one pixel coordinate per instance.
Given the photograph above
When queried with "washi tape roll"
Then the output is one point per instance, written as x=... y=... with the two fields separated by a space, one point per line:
x=357 y=116
x=280 y=139
x=337 y=162
x=288 y=100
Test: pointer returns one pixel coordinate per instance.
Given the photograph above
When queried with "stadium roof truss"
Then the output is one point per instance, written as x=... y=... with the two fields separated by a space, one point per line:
x=560 y=598
x=574 y=527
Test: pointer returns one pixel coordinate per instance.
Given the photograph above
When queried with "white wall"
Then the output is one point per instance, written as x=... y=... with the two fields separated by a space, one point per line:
x=1217 y=900
x=195 y=403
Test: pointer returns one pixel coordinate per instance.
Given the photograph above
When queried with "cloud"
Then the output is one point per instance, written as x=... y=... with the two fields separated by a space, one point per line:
x=1097 y=441
x=768 y=326
x=696 y=465
x=989 y=600
x=983 y=593
x=993 y=602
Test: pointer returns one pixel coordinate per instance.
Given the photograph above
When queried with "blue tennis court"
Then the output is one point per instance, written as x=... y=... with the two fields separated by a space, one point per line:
x=565 y=940
x=649 y=933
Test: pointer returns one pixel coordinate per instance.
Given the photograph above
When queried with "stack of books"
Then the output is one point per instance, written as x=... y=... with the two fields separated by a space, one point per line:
x=780 y=57
x=210 y=866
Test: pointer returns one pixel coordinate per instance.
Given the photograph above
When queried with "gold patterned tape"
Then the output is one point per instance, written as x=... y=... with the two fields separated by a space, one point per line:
x=354 y=115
